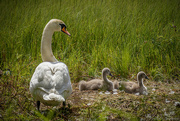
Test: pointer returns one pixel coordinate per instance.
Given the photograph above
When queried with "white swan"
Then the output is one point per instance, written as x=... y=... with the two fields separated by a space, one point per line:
x=132 y=87
x=95 y=84
x=50 y=83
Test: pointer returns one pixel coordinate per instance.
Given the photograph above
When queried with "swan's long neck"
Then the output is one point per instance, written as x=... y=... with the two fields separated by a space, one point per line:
x=140 y=81
x=46 y=50
x=105 y=79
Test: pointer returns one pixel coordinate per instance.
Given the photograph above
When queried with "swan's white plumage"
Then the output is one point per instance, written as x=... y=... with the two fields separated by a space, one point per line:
x=50 y=83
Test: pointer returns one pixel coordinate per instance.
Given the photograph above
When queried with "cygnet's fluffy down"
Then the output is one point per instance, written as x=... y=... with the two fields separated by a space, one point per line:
x=132 y=87
x=95 y=84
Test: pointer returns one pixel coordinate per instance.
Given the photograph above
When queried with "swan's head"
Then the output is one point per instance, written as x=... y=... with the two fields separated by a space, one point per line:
x=58 y=25
x=106 y=71
x=142 y=75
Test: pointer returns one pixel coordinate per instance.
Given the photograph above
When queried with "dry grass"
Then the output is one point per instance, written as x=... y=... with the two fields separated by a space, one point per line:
x=153 y=106
x=159 y=104
x=127 y=36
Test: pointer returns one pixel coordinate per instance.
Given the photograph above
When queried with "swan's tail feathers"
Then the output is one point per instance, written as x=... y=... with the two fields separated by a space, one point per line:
x=111 y=86
x=82 y=85
x=116 y=84
x=53 y=97
x=121 y=85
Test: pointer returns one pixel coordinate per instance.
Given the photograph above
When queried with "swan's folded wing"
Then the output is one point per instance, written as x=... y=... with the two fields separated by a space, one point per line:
x=129 y=87
x=40 y=78
x=51 y=75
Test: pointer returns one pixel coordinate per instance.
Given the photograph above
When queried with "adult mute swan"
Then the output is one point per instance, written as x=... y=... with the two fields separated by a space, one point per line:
x=96 y=84
x=132 y=87
x=50 y=83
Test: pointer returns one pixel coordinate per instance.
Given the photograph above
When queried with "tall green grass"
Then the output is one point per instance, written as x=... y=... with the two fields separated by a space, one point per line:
x=125 y=35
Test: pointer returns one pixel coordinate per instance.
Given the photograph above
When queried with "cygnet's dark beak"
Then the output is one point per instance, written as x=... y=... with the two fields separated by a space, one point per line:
x=110 y=74
x=146 y=77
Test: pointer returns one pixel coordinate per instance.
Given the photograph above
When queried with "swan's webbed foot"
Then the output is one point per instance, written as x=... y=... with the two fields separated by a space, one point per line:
x=64 y=104
x=38 y=105
x=69 y=106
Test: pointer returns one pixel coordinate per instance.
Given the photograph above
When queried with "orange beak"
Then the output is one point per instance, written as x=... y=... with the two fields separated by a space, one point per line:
x=65 y=31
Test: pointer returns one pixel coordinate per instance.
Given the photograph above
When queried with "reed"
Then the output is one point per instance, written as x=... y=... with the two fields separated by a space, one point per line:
x=126 y=36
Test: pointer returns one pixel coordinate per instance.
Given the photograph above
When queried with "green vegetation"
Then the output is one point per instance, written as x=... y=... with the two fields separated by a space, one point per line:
x=125 y=35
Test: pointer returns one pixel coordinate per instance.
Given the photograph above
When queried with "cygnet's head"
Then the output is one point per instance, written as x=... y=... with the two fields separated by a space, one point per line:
x=106 y=71
x=57 y=25
x=141 y=75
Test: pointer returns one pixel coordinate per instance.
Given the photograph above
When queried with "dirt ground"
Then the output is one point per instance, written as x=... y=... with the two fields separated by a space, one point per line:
x=161 y=103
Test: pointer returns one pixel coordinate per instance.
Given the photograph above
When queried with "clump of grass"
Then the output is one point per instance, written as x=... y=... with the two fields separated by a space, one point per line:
x=17 y=103
x=122 y=34
x=127 y=36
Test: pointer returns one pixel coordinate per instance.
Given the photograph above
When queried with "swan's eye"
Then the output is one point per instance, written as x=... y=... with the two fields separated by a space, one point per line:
x=63 y=29
x=62 y=26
